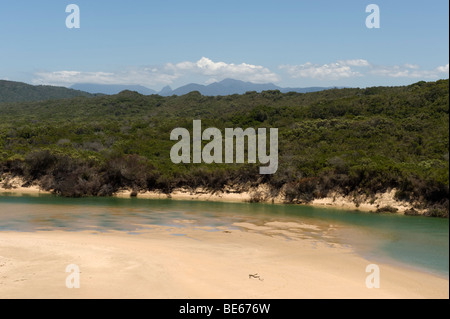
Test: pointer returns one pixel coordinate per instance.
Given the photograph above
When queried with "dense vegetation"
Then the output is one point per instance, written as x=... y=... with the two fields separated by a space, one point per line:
x=22 y=92
x=347 y=140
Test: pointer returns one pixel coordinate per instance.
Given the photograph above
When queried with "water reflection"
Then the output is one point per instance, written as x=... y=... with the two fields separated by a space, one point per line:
x=414 y=240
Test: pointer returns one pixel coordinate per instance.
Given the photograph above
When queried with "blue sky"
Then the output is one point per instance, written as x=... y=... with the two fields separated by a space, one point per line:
x=170 y=42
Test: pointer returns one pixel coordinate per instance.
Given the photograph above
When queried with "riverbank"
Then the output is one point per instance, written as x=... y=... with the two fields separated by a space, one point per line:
x=15 y=185
x=259 y=194
x=193 y=262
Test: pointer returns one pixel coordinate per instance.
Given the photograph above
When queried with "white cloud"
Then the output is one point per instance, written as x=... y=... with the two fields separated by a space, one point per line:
x=163 y=75
x=409 y=71
x=142 y=76
x=207 y=71
x=331 y=71
x=412 y=66
x=442 y=69
x=344 y=69
x=222 y=70
x=357 y=62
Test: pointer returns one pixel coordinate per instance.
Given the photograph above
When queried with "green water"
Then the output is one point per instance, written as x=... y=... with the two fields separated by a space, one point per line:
x=418 y=242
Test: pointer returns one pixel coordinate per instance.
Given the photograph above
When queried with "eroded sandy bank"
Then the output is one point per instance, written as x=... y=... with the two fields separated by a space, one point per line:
x=261 y=193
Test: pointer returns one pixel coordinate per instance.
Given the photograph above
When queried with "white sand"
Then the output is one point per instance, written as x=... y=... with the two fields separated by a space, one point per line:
x=195 y=264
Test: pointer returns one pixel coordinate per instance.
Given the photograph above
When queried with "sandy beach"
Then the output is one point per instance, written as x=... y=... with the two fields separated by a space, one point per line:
x=164 y=262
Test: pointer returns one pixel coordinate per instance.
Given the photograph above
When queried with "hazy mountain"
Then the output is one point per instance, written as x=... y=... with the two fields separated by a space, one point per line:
x=167 y=90
x=111 y=89
x=230 y=86
x=225 y=87
x=21 y=92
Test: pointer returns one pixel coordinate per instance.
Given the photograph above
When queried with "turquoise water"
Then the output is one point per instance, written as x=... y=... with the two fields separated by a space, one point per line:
x=418 y=242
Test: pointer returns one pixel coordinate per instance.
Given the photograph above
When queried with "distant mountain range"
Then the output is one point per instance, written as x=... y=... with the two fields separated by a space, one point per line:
x=21 y=92
x=225 y=87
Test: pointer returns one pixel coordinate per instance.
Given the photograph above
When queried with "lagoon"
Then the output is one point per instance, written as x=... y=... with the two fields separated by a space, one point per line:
x=417 y=242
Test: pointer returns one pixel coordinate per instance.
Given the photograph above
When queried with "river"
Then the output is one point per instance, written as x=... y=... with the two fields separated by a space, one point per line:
x=417 y=242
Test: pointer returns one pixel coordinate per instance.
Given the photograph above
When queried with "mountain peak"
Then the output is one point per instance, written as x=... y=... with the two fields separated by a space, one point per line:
x=231 y=81
x=165 y=90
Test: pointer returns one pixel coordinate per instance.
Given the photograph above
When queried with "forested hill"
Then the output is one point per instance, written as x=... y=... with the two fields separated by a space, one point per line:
x=351 y=141
x=22 y=92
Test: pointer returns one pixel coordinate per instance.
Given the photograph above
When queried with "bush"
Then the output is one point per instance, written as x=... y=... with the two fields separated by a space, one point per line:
x=411 y=212
x=435 y=212
x=387 y=209
x=38 y=163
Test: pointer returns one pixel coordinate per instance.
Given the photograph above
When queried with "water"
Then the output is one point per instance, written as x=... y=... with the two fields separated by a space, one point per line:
x=418 y=242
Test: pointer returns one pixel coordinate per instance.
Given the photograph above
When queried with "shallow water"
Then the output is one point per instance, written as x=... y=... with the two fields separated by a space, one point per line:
x=418 y=242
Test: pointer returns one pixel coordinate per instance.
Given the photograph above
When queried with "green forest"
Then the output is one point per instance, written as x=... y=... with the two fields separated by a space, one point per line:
x=343 y=140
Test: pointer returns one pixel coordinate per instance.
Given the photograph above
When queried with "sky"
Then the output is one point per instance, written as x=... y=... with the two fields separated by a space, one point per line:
x=155 y=43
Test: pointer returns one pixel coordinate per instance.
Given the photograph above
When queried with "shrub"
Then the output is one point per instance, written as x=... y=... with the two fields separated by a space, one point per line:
x=387 y=209
x=411 y=212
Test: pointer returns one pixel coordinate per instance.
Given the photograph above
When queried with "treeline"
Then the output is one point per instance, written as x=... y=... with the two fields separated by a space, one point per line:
x=351 y=141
